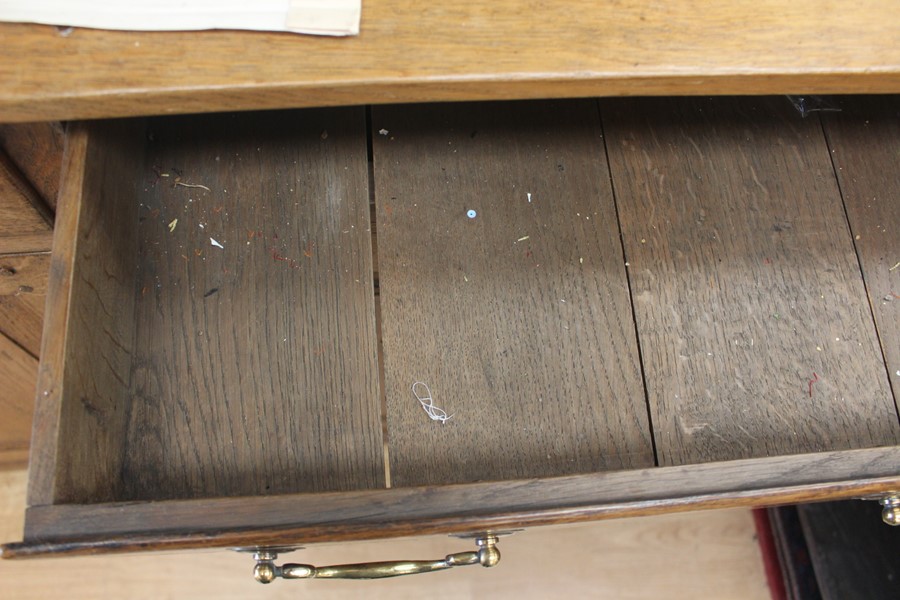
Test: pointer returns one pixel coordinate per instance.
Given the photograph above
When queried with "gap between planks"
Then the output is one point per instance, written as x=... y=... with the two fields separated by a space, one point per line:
x=376 y=293
x=869 y=292
x=637 y=337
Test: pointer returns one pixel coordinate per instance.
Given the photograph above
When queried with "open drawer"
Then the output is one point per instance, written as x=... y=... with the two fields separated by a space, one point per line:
x=259 y=323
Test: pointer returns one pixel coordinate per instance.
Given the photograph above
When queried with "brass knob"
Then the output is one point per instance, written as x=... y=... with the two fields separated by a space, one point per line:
x=890 y=509
x=488 y=553
x=265 y=570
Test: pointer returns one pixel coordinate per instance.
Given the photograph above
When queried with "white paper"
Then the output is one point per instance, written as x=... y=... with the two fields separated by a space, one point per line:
x=317 y=17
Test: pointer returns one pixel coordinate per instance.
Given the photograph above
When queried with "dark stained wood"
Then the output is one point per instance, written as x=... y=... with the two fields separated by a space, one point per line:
x=865 y=145
x=254 y=363
x=45 y=433
x=189 y=398
x=98 y=345
x=18 y=372
x=853 y=553
x=333 y=517
x=25 y=225
x=37 y=150
x=517 y=319
x=745 y=283
x=798 y=576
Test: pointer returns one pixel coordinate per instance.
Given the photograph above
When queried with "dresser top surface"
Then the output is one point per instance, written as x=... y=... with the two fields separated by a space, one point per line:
x=457 y=50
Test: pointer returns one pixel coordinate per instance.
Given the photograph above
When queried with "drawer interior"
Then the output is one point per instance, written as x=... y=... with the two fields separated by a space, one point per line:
x=257 y=300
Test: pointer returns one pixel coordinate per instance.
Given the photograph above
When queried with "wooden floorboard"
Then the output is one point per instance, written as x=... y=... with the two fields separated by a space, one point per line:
x=756 y=334
x=255 y=369
x=516 y=314
x=865 y=144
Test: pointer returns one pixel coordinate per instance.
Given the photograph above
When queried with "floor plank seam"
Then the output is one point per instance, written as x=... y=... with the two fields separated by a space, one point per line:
x=376 y=294
x=862 y=271
x=634 y=323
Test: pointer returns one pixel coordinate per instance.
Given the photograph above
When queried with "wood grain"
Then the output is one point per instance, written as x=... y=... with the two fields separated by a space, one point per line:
x=746 y=287
x=376 y=514
x=18 y=372
x=692 y=556
x=24 y=273
x=518 y=319
x=23 y=289
x=255 y=362
x=22 y=320
x=24 y=225
x=865 y=145
x=98 y=343
x=459 y=50
x=49 y=397
x=36 y=149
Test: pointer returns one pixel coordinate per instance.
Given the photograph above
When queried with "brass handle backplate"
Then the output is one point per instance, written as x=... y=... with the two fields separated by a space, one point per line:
x=266 y=571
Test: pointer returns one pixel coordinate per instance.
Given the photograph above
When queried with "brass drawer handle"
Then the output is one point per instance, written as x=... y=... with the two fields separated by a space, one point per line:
x=265 y=571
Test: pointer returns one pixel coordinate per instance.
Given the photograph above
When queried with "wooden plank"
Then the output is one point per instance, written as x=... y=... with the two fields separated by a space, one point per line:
x=756 y=336
x=22 y=320
x=36 y=149
x=377 y=514
x=255 y=351
x=518 y=318
x=709 y=554
x=18 y=372
x=459 y=50
x=23 y=289
x=23 y=225
x=24 y=273
x=48 y=403
x=92 y=371
x=865 y=143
